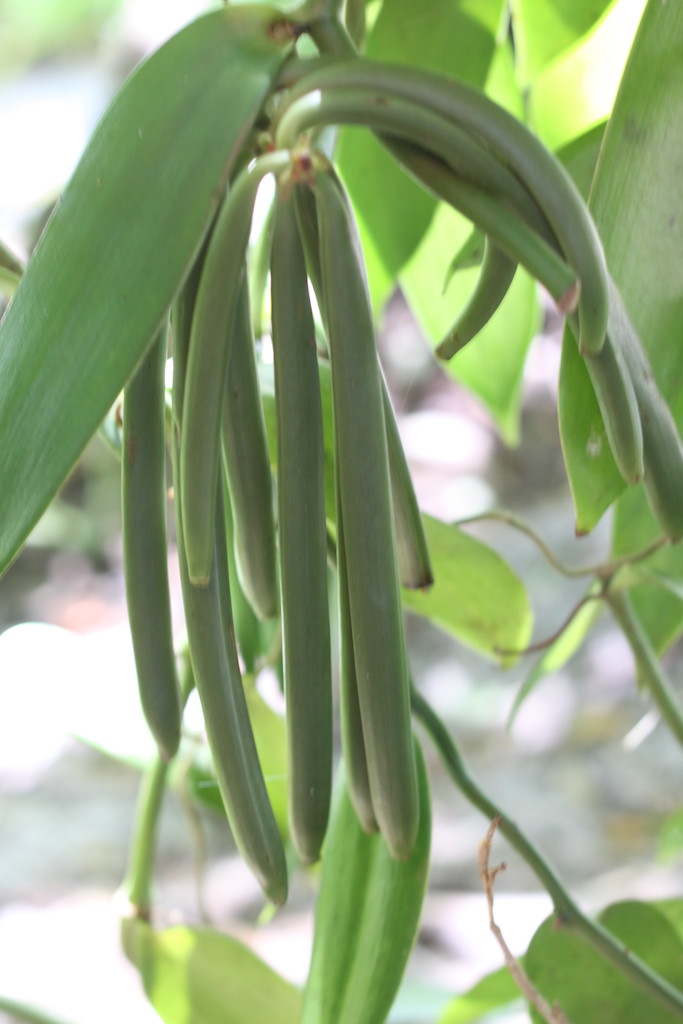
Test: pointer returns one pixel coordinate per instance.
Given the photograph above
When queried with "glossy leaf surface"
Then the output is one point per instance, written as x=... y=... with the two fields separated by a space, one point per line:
x=545 y=28
x=367 y=915
x=195 y=976
x=556 y=958
x=118 y=246
x=638 y=207
x=577 y=90
x=476 y=597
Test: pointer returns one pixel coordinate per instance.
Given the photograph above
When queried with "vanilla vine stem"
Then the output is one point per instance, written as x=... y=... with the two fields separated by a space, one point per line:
x=567 y=912
x=137 y=885
x=650 y=671
x=603 y=570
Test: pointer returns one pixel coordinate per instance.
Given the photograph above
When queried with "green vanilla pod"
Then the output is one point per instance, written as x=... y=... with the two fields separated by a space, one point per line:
x=415 y=570
x=259 y=269
x=215 y=665
x=365 y=496
x=501 y=224
x=412 y=553
x=254 y=637
x=208 y=358
x=398 y=119
x=145 y=554
x=246 y=463
x=302 y=536
x=662 y=449
x=353 y=744
x=540 y=172
x=615 y=392
x=495 y=277
x=363 y=940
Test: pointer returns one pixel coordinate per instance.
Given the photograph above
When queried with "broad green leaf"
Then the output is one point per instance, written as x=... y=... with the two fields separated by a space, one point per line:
x=638 y=206
x=502 y=343
x=544 y=28
x=118 y=246
x=490 y=993
x=673 y=912
x=367 y=915
x=196 y=976
x=393 y=212
x=577 y=90
x=593 y=476
x=556 y=958
x=476 y=597
x=469 y=255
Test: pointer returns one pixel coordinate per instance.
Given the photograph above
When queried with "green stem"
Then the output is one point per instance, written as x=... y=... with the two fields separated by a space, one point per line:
x=22 y=1011
x=649 y=669
x=568 y=913
x=330 y=36
x=603 y=570
x=138 y=884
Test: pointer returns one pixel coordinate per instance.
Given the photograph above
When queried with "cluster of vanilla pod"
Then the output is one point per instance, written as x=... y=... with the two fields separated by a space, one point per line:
x=471 y=154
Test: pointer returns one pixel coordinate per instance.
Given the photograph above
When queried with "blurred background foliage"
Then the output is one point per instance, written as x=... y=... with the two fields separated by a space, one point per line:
x=609 y=818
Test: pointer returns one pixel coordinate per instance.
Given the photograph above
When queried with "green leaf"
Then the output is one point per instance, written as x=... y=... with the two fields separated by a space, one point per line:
x=367 y=915
x=476 y=597
x=556 y=959
x=195 y=976
x=502 y=343
x=638 y=207
x=594 y=479
x=544 y=28
x=469 y=255
x=490 y=993
x=673 y=912
x=117 y=248
x=393 y=212
x=577 y=90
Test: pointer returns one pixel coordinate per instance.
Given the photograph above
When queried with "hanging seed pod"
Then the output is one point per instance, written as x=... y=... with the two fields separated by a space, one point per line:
x=302 y=536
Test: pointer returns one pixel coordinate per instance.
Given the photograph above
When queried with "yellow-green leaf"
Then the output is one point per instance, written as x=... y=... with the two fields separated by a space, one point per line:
x=476 y=597
x=196 y=976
